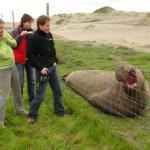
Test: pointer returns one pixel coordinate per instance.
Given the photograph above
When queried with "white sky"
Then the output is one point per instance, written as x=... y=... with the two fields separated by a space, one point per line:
x=38 y=7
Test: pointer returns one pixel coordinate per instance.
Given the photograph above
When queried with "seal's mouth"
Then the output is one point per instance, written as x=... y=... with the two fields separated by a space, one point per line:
x=131 y=78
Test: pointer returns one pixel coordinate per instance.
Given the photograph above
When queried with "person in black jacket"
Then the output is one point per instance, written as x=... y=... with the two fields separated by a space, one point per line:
x=43 y=58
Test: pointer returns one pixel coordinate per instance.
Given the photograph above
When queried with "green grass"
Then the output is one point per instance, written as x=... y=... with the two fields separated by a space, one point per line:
x=87 y=128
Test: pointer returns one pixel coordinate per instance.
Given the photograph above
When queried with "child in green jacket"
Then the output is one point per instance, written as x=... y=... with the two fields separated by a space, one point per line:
x=8 y=75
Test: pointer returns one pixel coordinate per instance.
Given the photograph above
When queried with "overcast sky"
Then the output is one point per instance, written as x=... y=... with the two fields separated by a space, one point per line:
x=38 y=7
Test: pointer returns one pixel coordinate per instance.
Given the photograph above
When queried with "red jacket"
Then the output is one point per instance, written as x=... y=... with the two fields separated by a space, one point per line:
x=20 y=52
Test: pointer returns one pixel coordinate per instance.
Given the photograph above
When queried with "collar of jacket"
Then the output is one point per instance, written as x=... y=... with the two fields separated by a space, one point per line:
x=42 y=33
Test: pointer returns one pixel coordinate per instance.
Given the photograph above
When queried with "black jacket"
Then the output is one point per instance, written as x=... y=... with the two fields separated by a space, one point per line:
x=42 y=50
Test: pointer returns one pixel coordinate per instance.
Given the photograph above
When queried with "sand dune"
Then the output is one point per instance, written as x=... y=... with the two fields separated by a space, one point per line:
x=129 y=29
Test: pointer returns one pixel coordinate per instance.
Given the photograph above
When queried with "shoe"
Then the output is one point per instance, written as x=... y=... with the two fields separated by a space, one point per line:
x=24 y=113
x=63 y=115
x=66 y=115
x=31 y=120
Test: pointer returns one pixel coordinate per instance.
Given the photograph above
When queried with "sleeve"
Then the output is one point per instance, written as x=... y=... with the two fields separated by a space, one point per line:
x=33 y=54
x=10 y=41
x=55 y=56
x=16 y=36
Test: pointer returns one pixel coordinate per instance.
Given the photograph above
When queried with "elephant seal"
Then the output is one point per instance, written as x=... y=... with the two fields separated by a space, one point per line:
x=124 y=92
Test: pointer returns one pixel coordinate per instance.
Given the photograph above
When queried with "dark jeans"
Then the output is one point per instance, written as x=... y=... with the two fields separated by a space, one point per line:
x=55 y=85
x=30 y=79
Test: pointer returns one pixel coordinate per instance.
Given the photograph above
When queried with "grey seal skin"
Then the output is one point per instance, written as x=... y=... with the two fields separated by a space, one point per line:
x=124 y=92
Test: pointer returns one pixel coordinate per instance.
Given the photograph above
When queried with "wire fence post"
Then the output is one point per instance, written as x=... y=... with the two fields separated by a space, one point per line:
x=47 y=9
x=1 y=16
x=13 y=19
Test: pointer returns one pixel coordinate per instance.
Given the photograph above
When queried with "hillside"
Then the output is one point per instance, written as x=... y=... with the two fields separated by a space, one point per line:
x=129 y=29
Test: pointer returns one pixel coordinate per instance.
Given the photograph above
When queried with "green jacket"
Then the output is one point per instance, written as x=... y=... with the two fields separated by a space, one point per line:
x=6 y=52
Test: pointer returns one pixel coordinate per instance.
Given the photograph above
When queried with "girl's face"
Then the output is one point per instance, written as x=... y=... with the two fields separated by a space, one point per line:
x=1 y=29
x=27 y=25
x=45 y=27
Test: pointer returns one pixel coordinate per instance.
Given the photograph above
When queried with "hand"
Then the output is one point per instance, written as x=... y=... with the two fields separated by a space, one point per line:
x=30 y=32
x=25 y=33
x=54 y=64
x=44 y=71
x=3 y=36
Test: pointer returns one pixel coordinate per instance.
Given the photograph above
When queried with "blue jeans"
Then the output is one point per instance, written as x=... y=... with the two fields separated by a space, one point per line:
x=30 y=79
x=40 y=95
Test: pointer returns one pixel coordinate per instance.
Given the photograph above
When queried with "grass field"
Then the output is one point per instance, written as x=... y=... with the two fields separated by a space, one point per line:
x=87 y=128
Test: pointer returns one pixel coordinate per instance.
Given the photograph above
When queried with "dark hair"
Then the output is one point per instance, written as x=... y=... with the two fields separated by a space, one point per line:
x=42 y=20
x=25 y=18
x=1 y=21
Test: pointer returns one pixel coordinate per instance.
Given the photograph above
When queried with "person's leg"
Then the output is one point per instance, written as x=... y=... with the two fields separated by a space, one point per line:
x=20 y=68
x=5 y=80
x=55 y=85
x=17 y=98
x=30 y=80
x=40 y=94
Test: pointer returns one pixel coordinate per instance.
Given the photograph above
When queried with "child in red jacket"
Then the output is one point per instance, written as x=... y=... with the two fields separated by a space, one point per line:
x=22 y=35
